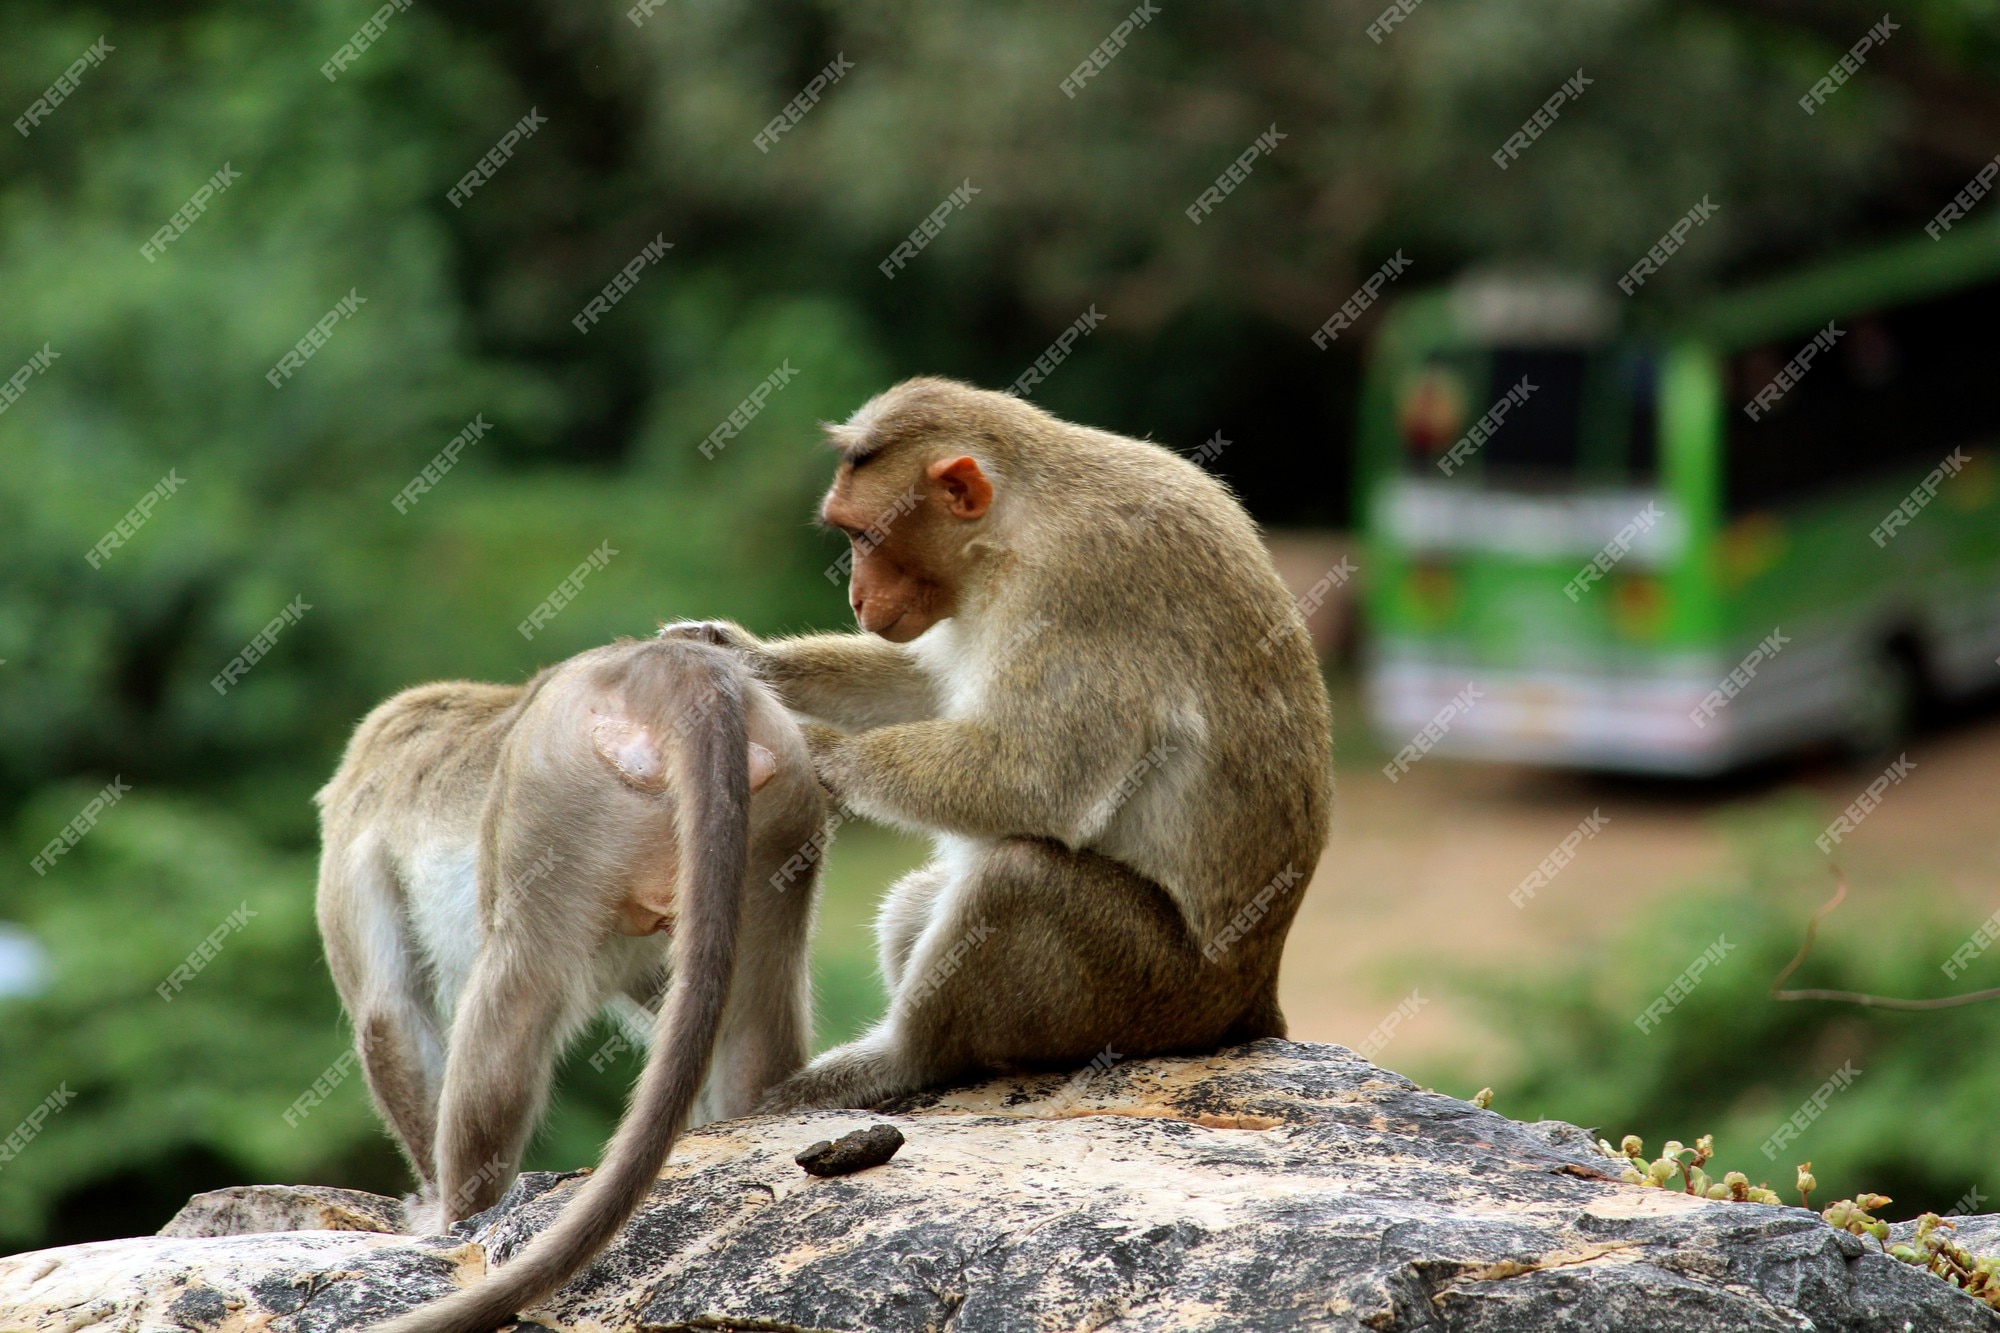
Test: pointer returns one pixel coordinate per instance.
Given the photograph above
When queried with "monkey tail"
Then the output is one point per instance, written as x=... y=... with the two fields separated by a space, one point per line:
x=697 y=698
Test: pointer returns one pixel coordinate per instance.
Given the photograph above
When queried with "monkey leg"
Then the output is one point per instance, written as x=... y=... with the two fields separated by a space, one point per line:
x=391 y=1041
x=905 y=912
x=639 y=1014
x=1038 y=955
x=767 y=1024
x=766 y=1029
x=511 y=1020
x=369 y=952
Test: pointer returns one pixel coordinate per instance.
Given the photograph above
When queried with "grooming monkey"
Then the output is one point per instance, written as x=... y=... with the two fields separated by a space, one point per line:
x=1083 y=678
x=500 y=861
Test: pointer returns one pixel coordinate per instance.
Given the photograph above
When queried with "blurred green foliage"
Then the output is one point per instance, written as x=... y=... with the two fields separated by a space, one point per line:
x=1914 y=1122
x=285 y=492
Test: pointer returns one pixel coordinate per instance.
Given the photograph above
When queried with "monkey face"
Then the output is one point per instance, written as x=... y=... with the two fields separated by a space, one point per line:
x=907 y=522
x=889 y=596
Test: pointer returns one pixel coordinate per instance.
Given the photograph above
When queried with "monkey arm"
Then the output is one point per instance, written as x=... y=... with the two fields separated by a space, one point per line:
x=970 y=778
x=854 y=681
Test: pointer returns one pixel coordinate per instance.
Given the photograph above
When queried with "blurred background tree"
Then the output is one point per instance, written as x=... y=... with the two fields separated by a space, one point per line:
x=650 y=118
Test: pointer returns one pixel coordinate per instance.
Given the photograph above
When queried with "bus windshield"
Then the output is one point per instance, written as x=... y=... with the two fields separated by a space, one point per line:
x=1532 y=418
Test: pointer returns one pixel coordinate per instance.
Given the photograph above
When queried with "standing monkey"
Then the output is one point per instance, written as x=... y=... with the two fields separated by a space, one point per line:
x=1083 y=678
x=499 y=861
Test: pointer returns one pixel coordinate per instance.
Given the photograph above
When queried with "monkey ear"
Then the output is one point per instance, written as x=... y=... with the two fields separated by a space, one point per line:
x=966 y=488
x=763 y=766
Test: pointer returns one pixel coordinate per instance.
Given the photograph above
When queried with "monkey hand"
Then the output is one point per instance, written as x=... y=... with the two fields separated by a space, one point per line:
x=824 y=742
x=721 y=633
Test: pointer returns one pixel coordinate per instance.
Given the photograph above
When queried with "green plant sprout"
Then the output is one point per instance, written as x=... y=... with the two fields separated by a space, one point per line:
x=1932 y=1248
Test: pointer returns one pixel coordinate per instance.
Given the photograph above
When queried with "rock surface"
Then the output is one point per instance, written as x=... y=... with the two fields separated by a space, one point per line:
x=255 y=1210
x=1274 y=1186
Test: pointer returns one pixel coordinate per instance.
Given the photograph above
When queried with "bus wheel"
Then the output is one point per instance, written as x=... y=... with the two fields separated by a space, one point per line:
x=1888 y=704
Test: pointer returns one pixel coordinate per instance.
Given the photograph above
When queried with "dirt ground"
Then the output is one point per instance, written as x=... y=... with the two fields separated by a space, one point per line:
x=1417 y=877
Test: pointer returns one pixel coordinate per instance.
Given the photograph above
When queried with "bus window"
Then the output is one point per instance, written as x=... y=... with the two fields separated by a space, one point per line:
x=1953 y=349
x=1542 y=440
x=1574 y=418
x=1841 y=422
x=1898 y=391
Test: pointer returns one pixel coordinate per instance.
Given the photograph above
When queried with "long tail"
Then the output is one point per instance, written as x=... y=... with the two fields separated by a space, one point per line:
x=698 y=699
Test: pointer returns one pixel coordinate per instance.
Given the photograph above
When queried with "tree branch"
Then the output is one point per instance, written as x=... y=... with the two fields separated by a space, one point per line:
x=1859 y=997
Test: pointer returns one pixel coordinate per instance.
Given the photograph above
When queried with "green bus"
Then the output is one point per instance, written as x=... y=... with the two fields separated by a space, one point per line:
x=1771 y=520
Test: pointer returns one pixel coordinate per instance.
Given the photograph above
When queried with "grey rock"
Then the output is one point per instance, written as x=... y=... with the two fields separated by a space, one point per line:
x=1273 y=1186
x=251 y=1210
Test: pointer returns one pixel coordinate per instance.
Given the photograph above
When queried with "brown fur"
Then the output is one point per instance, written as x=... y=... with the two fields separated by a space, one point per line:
x=571 y=844
x=1103 y=706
